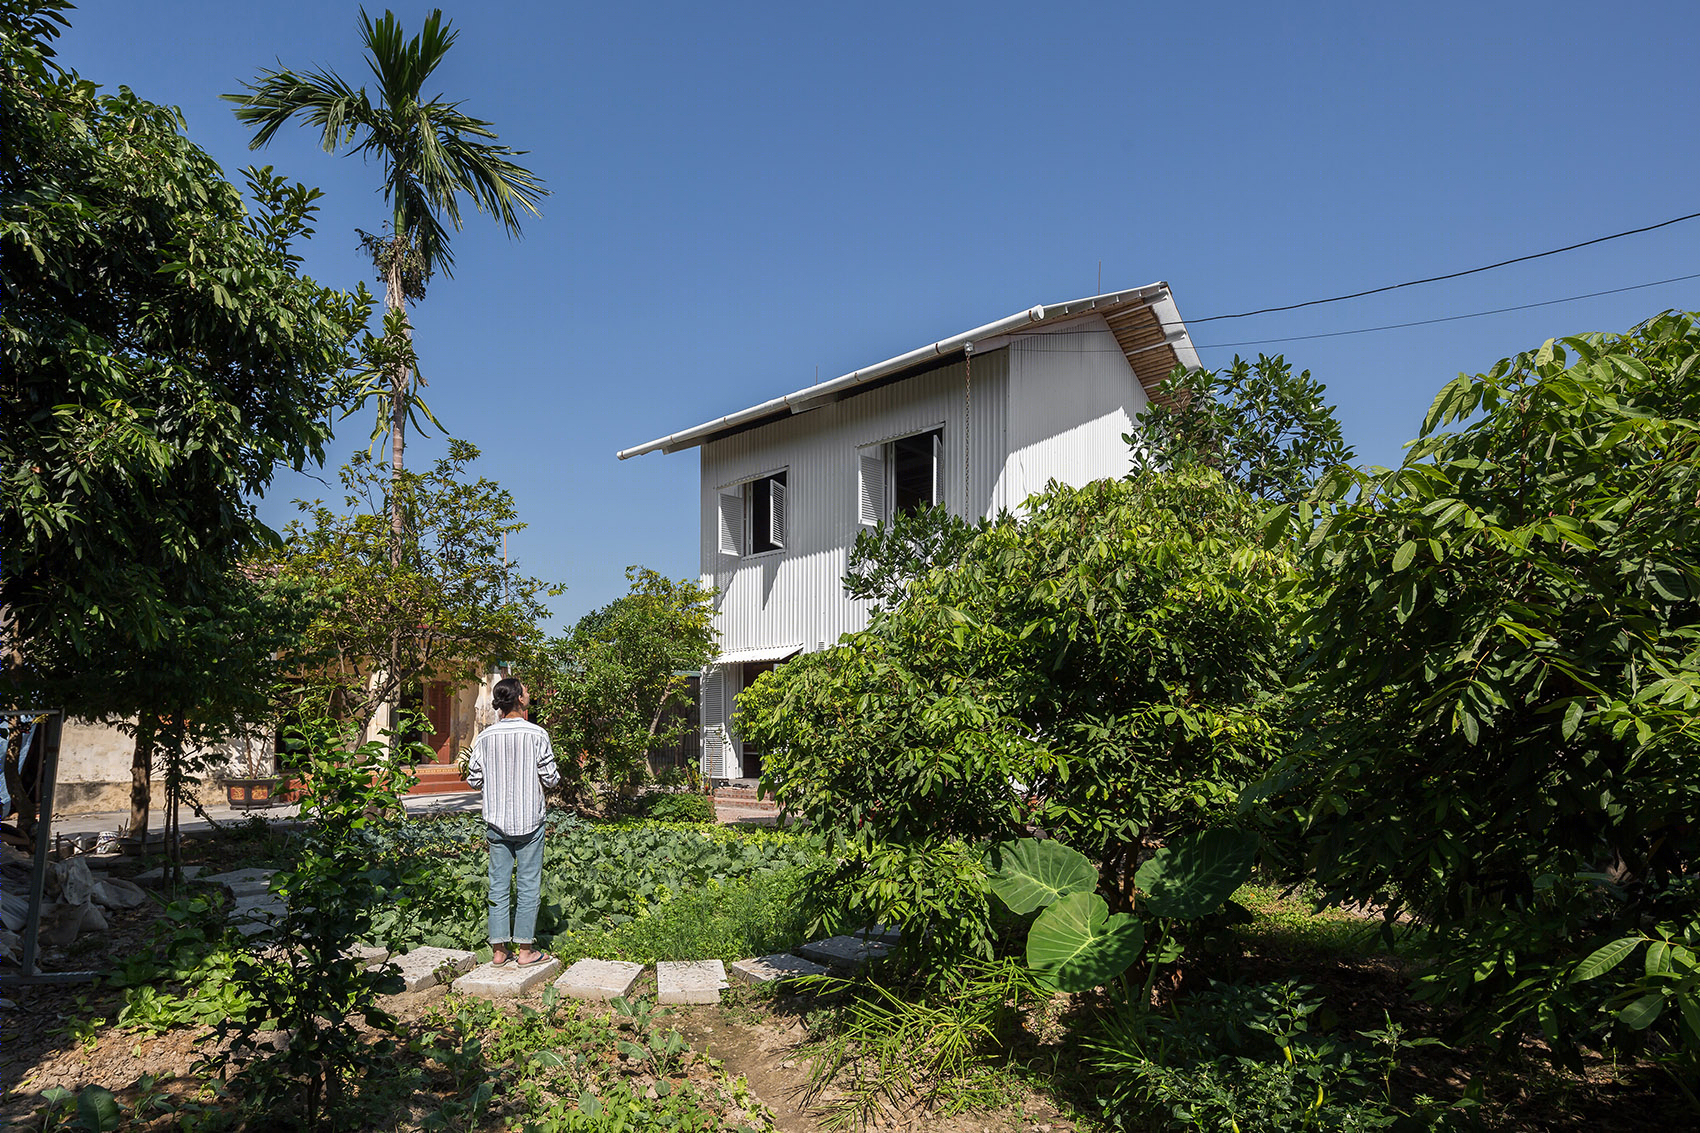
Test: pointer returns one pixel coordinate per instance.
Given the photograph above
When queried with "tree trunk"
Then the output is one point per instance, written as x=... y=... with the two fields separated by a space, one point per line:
x=395 y=299
x=141 y=769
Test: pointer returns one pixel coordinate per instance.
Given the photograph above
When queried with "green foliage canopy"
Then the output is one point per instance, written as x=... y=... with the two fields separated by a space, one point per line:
x=162 y=356
x=1266 y=430
x=443 y=602
x=611 y=688
x=1506 y=692
x=1101 y=669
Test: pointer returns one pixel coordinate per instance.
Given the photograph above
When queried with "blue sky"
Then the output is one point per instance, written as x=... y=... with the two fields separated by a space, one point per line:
x=745 y=193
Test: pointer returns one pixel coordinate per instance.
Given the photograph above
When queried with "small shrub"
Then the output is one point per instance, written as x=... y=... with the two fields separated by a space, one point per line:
x=671 y=806
x=1247 y=1057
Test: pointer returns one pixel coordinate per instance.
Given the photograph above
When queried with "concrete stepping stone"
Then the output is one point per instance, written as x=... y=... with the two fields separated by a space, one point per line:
x=599 y=979
x=242 y=879
x=879 y=932
x=190 y=872
x=775 y=968
x=371 y=955
x=491 y=982
x=845 y=951
x=419 y=967
x=689 y=981
x=257 y=902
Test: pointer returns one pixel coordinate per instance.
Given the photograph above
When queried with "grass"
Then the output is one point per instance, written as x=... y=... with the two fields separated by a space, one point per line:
x=1290 y=924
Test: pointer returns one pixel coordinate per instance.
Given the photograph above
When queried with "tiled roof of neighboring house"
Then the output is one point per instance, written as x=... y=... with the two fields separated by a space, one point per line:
x=1144 y=320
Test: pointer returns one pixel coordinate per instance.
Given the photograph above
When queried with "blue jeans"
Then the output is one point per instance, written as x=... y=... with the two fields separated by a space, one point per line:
x=522 y=856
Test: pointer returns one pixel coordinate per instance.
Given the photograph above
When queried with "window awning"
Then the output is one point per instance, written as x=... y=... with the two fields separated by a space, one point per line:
x=747 y=656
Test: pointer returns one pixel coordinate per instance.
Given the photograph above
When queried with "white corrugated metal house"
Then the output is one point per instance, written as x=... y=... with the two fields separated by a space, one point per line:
x=978 y=422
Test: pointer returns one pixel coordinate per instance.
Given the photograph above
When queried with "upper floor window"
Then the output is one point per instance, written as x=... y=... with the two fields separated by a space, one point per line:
x=752 y=516
x=900 y=476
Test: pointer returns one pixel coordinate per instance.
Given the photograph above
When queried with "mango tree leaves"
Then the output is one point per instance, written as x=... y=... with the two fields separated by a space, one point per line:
x=1032 y=874
x=1077 y=945
x=1195 y=873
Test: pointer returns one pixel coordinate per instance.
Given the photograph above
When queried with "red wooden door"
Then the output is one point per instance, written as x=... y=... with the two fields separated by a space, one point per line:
x=441 y=717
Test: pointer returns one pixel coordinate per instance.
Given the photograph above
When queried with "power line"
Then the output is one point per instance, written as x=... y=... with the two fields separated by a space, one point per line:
x=1449 y=275
x=1445 y=319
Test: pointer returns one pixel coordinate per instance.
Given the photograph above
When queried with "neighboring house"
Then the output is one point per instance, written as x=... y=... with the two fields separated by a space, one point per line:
x=977 y=422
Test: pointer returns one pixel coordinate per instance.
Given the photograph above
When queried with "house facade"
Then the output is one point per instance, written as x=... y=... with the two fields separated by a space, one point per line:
x=976 y=422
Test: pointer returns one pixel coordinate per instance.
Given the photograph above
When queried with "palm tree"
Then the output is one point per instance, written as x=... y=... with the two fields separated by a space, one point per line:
x=431 y=152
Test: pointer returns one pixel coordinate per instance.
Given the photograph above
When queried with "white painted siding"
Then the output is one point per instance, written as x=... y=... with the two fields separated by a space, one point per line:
x=1072 y=396
x=1039 y=406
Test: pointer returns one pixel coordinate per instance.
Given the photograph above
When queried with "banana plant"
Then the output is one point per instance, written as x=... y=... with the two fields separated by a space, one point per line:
x=1076 y=943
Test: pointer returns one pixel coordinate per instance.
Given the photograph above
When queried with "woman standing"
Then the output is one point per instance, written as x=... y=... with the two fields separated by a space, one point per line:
x=512 y=763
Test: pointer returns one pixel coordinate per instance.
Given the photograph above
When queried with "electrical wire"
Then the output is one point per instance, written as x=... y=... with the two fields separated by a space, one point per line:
x=1445 y=319
x=1449 y=275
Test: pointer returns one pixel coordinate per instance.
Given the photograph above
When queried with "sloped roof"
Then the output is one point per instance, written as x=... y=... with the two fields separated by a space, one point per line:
x=1144 y=320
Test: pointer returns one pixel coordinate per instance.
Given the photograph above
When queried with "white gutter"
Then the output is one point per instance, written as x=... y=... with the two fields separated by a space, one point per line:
x=814 y=395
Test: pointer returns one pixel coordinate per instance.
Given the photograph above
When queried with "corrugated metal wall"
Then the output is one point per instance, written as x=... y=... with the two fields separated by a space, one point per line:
x=794 y=597
x=1072 y=396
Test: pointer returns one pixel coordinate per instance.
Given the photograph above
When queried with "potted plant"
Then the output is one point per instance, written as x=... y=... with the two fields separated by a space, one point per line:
x=261 y=784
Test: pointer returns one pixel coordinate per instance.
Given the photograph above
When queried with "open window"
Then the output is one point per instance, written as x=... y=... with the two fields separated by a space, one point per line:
x=900 y=476
x=753 y=516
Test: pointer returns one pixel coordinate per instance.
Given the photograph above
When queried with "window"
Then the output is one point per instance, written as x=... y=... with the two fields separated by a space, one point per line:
x=900 y=476
x=752 y=516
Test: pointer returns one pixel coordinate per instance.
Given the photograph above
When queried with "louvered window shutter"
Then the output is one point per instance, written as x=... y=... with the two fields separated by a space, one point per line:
x=938 y=469
x=713 y=718
x=732 y=522
x=776 y=512
x=871 y=499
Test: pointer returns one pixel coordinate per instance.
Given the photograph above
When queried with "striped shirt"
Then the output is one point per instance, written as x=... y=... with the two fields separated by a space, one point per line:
x=512 y=762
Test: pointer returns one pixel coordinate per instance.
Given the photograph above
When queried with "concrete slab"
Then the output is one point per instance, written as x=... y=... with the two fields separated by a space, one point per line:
x=599 y=979
x=190 y=872
x=241 y=877
x=369 y=954
x=689 y=981
x=844 y=951
x=776 y=968
x=879 y=932
x=252 y=927
x=491 y=982
x=263 y=902
x=419 y=967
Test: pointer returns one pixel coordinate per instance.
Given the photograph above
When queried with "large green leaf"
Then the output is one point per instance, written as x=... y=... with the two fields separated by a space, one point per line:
x=97 y=1110
x=1195 y=873
x=1077 y=945
x=1032 y=874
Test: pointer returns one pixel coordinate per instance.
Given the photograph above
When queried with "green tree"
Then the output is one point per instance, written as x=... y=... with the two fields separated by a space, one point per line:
x=1101 y=668
x=432 y=154
x=1506 y=677
x=1271 y=433
x=443 y=602
x=607 y=688
x=887 y=559
x=162 y=356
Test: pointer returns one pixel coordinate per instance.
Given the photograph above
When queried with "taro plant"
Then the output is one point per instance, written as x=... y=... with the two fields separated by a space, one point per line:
x=1076 y=943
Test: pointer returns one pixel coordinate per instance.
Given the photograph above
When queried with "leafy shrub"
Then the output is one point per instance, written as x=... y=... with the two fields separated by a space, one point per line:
x=751 y=916
x=1101 y=669
x=596 y=876
x=1246 y=1058
x=1506 y=682
x=675 y=806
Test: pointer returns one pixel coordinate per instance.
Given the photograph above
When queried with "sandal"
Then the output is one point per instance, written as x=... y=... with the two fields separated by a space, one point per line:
x=499 y=957
x=536 y=959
